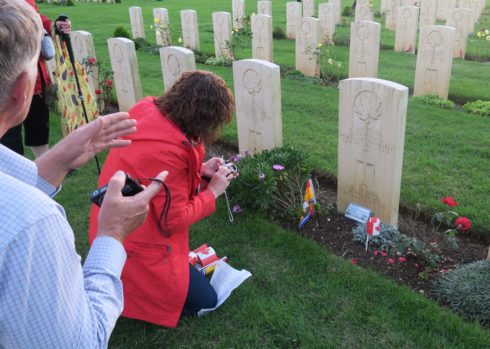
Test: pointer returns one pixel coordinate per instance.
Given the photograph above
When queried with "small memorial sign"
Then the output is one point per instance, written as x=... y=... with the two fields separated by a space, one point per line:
x=358 y=213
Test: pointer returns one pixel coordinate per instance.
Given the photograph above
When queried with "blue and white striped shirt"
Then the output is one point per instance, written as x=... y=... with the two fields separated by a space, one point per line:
x=47 y=300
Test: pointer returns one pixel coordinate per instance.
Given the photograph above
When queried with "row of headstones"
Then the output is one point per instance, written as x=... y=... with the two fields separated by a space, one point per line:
x=261 y=24
x=406 y=29
x=434 y=56
x=431 y=10
x=371 y=118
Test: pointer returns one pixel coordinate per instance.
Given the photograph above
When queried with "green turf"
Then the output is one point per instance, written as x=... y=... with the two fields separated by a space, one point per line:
x=299 y=295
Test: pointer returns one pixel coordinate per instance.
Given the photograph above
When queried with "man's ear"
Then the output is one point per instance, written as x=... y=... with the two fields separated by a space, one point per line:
x=22 y=91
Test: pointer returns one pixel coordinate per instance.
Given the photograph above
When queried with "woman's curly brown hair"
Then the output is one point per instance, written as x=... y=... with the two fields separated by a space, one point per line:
x=199 y=103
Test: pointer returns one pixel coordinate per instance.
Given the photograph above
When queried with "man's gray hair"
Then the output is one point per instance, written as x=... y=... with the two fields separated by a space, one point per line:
x=20 y=38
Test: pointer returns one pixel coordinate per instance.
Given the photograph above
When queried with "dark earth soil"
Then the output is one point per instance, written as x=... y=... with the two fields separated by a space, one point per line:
x=334 y=232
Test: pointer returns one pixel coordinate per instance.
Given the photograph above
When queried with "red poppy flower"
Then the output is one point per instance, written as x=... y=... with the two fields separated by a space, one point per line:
x=463 y=224
x=390 y=260
x=97 y=92
x=353 y=261
x=384 y=254
x=108 y=82
x=91 y=60
x=449 y=200
x=402 y=259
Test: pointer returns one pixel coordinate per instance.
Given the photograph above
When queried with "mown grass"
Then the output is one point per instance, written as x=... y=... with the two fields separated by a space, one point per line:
x=438 y=142
x=300 y=295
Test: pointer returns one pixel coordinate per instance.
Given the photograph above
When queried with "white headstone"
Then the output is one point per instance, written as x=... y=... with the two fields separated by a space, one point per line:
x=307 y=40
x=406 y=29
x=372 y=114
x=258 y=105
x=308 y=8
x=383 y=6
x=293 y=17
x=338 y=10
x=434 y=60
x=390 y=13
x=364 y=49
x=262 y=37
x=83 y=48
x=126 y=73
x=364 y=11
x=264 y=8
x=175 y=61
x=51 y=65
x=162 y=25
x=441 y=10
x=428 y=10
x=190 y=29
x=222 y=34
x=137 y=26
x=238 y=13
x=458 y=19
x=473 y=6
x=326 y=15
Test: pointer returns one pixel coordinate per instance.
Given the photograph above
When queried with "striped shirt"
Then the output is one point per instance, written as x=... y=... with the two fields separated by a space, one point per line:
x=47 y=300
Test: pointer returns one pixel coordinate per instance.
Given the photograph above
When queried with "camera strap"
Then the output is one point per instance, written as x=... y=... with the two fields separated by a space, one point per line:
x=230 y=213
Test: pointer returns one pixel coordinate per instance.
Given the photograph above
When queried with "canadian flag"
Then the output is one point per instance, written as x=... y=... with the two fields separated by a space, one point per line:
x=374 y=226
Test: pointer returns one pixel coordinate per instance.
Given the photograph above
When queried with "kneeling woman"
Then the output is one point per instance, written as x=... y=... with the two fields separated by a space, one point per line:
x=159 y=283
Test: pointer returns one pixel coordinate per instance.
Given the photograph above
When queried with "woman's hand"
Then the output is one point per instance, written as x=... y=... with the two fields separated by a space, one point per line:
x=220 y=181
x=210 y=167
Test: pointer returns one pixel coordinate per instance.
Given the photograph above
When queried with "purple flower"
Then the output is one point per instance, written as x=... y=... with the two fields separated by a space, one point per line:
x=277 y=167
x=235 y=158
x=261 y=177
x=236 y=209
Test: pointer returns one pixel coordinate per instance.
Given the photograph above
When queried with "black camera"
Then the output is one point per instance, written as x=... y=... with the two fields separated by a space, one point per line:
x=131 y=187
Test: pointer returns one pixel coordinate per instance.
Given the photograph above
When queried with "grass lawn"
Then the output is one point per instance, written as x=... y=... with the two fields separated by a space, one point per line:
x=299 y=295
x=446 y=152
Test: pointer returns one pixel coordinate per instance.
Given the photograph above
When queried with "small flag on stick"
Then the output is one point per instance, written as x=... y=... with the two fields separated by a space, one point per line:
x=308 y=204
x=373 y=228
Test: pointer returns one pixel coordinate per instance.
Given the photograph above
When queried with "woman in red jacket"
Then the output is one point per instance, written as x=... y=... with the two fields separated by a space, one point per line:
x=159 y=283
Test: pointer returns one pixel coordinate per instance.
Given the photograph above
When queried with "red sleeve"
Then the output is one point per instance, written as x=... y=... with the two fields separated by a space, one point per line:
x=46 y=21
x=185 y=208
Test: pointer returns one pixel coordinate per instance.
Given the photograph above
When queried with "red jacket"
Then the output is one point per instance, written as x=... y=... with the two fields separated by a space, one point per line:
x=42 y=69
x=156 y=274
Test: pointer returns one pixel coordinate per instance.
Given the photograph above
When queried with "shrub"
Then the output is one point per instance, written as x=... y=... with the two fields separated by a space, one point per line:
x=121 y=32
x=279 y=34
x=395 y=243
x=466 y=290
x=478 y=107
x=70 y=3
x=219 y=62
x=348 y=11
x=118 y=1
x=436 y=100
x=272 y=182
x=141 y=44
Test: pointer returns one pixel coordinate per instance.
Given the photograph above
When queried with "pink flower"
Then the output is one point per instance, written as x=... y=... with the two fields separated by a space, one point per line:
x=353 y=261
x=236 y=209
x=91 y=60
x=384 y=254
x=449 y=200
x=390 y=260
x=463 y=224
x=402 y=259
x=375 y=252
x=277 y=167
